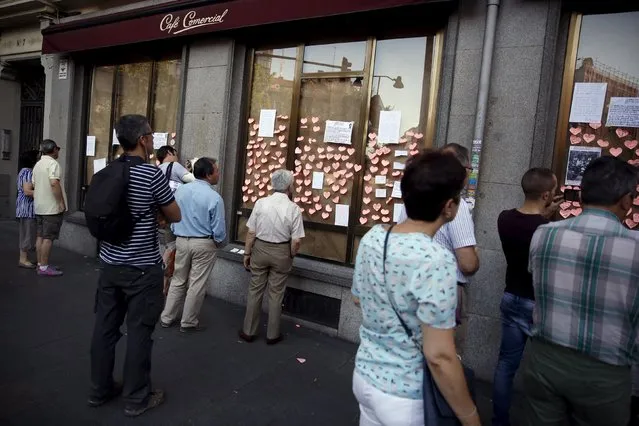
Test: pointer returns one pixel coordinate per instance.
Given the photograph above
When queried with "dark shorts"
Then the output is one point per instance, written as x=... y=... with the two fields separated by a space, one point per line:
x=27 y=227
x=48 y=226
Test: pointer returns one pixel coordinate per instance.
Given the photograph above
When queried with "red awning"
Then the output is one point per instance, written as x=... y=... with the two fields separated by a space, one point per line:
x=95 y=33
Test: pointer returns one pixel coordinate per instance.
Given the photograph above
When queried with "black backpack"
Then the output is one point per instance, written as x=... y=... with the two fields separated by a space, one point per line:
x=106 y=207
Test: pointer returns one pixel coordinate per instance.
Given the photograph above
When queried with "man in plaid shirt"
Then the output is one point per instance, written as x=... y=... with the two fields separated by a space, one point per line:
x=586 y=317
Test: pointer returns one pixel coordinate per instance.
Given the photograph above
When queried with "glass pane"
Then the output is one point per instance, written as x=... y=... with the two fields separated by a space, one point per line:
x=167 y=96
x=100 y=116
x=133 y=91
x=324 y=245
x=333 y=166
x=338 y=57
x=271 y=89
x=397 y=93
x=242 y=230
x=602 y=57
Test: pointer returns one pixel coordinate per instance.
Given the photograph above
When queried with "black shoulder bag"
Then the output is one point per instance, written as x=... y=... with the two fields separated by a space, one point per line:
x=437 y=412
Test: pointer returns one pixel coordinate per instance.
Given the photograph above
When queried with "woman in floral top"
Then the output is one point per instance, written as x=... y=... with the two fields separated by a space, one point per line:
x=24 y=208
x=418 y=278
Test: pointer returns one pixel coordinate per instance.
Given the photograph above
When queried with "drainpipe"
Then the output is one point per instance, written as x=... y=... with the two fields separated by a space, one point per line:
x=482 y=96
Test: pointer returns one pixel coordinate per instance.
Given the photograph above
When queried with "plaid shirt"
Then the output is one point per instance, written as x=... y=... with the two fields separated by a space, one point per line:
x=586 y=279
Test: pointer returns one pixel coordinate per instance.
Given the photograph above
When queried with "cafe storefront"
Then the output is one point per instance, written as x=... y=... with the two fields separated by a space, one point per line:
x=341 y=92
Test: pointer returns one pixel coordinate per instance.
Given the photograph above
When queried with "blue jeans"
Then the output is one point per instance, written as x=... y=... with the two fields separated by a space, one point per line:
x=516 y=320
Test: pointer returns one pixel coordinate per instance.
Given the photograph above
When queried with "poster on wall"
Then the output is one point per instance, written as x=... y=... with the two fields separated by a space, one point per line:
x=338 y=132
x=90 y=151
x=389 y=126
x=623 y=112
x=588 y=102
x=578 y=159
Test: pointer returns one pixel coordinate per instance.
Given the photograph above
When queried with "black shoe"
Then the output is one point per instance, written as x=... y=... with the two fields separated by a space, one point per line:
x=274 y=341
x=167 y=325
x=156 y=398
x=195 y=329
x=246 y=337
x=115 y=392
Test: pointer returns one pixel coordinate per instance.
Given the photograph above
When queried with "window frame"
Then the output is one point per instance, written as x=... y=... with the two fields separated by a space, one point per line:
x=428 y=113
x=151 y=95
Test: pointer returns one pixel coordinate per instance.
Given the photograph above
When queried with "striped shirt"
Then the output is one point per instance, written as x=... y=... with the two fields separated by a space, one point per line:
x=586 y=279
x=458 y=233
x=24 y=203
x=148 y=189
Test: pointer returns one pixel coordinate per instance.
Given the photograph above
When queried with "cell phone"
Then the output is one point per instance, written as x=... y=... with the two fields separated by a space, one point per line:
x=572 y=195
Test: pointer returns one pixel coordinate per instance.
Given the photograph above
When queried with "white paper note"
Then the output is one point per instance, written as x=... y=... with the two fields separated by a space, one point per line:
x=318 y=180
x=241 y=252
x=401 y=153
x=397 y=189
x=398 y=166
x=389 y=126
x=338 y=132
x=380 y=180
x=398 y=212
x=341 y=214
x=90 y=146
x=267 y=123
x=159 y=140
x=99 y=164
x=588 y=102
x=623 y=112
x=380 y=193
x=235 y=250
x=115 y=138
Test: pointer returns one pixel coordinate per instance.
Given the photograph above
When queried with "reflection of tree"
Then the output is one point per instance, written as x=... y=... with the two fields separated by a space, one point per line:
x=269 y=91
x=331 y=99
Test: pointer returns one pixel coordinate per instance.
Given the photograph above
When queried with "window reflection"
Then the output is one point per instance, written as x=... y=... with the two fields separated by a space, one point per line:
x=339 y=57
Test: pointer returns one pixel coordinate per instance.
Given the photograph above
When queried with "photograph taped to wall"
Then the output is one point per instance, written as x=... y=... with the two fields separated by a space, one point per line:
x=578 y=159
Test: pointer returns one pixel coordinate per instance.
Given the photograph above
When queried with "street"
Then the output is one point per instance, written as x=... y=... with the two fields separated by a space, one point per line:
x=210 y=378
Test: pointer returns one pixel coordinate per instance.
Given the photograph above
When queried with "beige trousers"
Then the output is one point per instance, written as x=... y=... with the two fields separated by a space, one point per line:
x=194 y=260
x=270 y=266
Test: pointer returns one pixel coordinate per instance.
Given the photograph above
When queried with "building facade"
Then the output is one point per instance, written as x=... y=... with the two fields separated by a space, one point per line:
x=342 y=92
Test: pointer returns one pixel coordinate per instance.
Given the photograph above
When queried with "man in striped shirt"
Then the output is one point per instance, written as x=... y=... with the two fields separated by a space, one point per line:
x=131 y=279
x=586 y=316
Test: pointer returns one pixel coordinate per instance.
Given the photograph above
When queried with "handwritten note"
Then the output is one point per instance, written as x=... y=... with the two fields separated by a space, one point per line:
x=160 y=140
x=623 y=112
x=90 y=151
x=399 y=213
x=401 y=153
x=389 y=126
x=380 y=180
x=380 y=193
x=398 y=166
x=318 y=180
x=588 y=102
x=99 y=164
x=341 y=214
x=397 y=189
x=338 y=132
x=267 y=123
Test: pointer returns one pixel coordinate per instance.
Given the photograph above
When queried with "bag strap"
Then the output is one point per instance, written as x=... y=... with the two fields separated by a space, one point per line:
x=169 y=171
x=390 y=298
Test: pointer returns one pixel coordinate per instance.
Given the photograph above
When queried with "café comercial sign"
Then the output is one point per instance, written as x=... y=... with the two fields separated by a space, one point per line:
x=176 y=24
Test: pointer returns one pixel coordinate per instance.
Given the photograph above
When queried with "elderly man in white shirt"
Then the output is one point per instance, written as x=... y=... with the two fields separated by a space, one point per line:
x=274 y=238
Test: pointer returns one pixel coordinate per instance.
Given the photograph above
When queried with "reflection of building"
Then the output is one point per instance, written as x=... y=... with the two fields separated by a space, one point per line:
x=619 y=84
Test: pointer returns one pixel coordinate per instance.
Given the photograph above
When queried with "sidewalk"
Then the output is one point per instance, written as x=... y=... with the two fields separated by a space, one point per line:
x=210 y=378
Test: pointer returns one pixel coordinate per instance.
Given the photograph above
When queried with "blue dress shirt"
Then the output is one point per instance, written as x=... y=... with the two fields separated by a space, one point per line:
x=202 y=212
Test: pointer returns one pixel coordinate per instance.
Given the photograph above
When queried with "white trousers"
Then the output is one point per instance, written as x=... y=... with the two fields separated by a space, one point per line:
x=381 y=409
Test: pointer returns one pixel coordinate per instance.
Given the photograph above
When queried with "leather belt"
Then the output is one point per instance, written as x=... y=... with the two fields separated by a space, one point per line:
x=268 y=242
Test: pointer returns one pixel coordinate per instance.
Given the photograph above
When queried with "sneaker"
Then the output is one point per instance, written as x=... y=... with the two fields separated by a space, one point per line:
x=115 y=392
x=50 y=272
x=155 y=399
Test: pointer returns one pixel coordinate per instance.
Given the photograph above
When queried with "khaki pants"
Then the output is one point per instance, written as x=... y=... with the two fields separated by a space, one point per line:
x=194 y=260
x=270 y=265
x=562 y=385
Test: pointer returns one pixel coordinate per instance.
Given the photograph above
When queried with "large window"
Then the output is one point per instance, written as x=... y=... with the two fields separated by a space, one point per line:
x=599 y=112
x=149 y=88
x=344 y=117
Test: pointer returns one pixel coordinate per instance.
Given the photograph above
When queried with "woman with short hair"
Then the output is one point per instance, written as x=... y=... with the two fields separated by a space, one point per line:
x=406 y=286
x=24 y=207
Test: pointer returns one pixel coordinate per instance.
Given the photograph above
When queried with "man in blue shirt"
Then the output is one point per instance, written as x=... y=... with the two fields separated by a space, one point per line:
x=199 y=234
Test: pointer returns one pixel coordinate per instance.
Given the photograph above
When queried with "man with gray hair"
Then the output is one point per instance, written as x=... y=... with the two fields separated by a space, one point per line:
x=199 y=234
x=274 y=238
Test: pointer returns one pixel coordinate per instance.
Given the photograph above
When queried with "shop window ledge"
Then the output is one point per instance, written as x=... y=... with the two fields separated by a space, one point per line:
x=306 y=268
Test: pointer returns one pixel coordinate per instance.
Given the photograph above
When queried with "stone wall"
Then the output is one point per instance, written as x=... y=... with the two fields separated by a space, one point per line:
x=9 y=119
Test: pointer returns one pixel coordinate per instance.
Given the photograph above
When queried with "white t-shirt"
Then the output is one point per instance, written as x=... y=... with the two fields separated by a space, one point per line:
x=177 y=174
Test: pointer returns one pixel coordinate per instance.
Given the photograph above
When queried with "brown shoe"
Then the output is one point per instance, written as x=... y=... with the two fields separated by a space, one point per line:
x=246 y=337
x=155 y=399
x=274 y=341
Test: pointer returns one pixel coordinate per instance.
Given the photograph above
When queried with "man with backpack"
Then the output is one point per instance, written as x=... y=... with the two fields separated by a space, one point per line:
x=121 y=209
